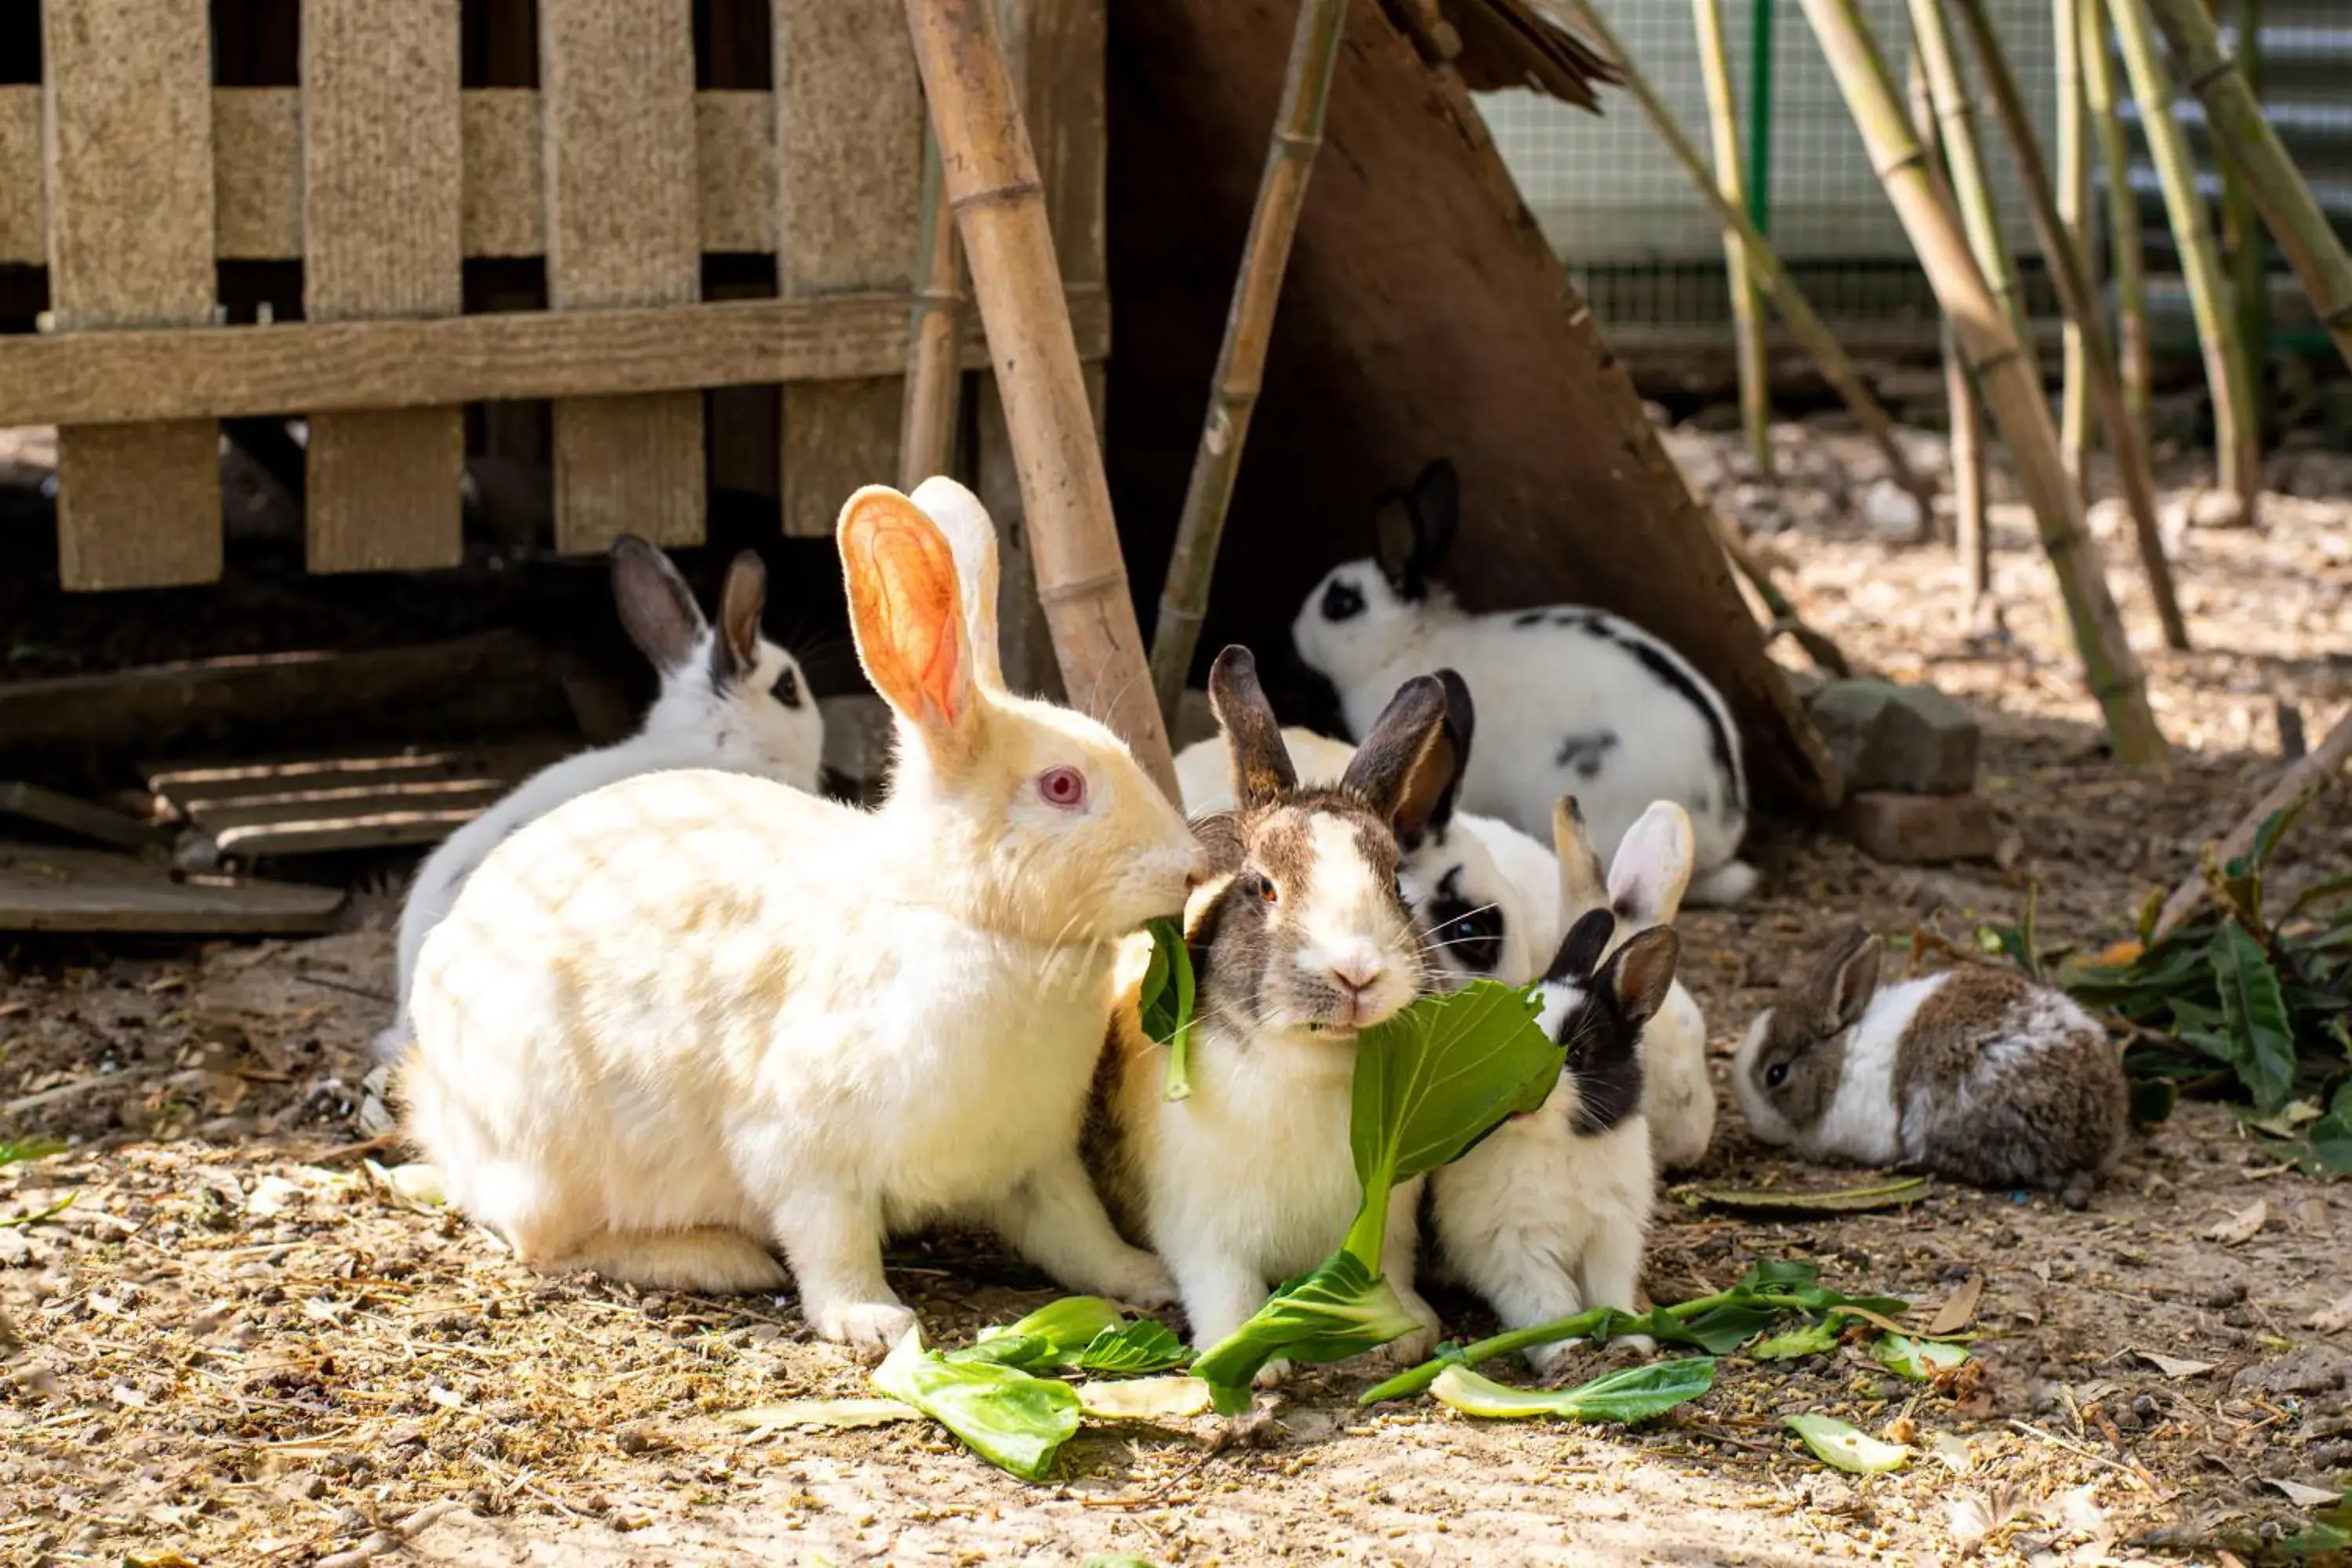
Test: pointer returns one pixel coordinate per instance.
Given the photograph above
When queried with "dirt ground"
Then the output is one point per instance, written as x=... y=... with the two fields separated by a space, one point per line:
x=238 y=1347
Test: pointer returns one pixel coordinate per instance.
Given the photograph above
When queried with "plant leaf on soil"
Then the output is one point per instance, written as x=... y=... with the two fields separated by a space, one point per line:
x=840 y=1414
x=1084 y=1332
x=1145 y=1398
x=1880 y=1195
x=1959 y=1309
x=2261 y=1034
x=1842 y=1447
x=1921 y=1360
x=29 y=1149
x=1340 y=1309
x=1014 y=1421
x=1809 y=1339
x=23 y=1220
x=1621 y=1397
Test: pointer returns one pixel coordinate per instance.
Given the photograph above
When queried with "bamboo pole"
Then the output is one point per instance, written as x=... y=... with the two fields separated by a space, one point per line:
x=2242 y=229
x=2073 y=204
x=926 y=424
x=2081 y=303
x=1804 y=323
x=2314 y=770
x=2247 y=139
x=1746 y=308
x=1963 y=407
x=2201 y=261
x=2003 y=367
x=2125 y=248
x=1818 y=644
x=992 y=187
x=1241 y=362
x=1931 y=35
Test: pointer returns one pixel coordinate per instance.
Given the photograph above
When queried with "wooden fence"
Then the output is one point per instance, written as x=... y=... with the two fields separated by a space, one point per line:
x=129 y=176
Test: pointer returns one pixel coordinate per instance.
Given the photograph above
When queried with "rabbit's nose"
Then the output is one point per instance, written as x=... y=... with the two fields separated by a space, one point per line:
x=1358 y=972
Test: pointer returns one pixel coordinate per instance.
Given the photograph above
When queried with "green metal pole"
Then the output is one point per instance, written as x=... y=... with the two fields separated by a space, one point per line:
x=1760 y=115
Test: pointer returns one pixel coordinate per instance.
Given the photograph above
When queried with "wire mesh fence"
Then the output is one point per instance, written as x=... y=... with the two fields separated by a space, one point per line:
x=1646 y=255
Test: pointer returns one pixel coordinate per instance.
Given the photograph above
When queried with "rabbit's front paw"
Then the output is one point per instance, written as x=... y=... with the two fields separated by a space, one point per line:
x=1271 y=1374
x=868 y=1328
x=1414 y=1348
x=1141 y=1281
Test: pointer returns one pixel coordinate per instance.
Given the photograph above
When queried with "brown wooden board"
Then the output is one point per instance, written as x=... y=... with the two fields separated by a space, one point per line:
x=129 y=167
x=381 y=203
x=54 y=809
x=1423 y=316
x=108 y=377
x=849 y=174
x=622 y=219
x=365 y=799
x=43 y=887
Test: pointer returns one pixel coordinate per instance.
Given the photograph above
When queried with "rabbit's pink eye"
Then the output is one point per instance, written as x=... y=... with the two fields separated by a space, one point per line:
x=1064 y=787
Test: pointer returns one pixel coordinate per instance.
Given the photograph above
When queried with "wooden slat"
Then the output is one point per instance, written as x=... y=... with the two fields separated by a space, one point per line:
x=24 y=237
x=380 y=221
x=130 y=174
x=256 y=172
x=849 y=171
x=46 y=889
x=121 y=377
x=504 y=208
x=617 y=91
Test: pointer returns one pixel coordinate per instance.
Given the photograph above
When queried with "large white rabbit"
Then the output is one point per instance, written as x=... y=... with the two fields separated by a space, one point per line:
x=695 y=1014
x=1576 y=701
x=729 y=699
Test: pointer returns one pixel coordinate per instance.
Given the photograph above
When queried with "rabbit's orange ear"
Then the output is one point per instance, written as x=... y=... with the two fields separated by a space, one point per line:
x=906 y=611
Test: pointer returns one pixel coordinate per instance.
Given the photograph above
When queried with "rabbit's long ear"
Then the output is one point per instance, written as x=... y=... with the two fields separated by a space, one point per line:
x=906 y=608
x=736 y=650
x=1428 y=804
x=658 y=609
x=971 y=534
x=1652 y=868
x=1396 y=746
x=1263 y=771
x=1582 y=885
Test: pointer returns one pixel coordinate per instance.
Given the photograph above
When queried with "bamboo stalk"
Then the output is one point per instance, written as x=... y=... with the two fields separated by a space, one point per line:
x=2200 y=260
x=992 y=187
x=2246 y=138
x=926 y=424
x=1746 y=308
x=2081 y=303
x=2074 y=203
x=2315 y=769
x=2242 y=229
x=1931 y=35
x=1819 y=645
x=2127 y=251
x=1804 y=323
x=1241 y=362
x=1963 y=407
x=2003 y=367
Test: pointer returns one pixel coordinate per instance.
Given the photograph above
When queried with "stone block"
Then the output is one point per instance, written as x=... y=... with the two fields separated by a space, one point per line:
x=1915 y=829
x=1888 y=737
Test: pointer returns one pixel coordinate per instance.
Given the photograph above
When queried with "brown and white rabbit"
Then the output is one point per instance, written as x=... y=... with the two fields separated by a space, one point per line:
x=1643 y=886
x=694 y=1013
x=1977 y=1074
x=1299 y=939
x=729 y=699
x=1547 y=1217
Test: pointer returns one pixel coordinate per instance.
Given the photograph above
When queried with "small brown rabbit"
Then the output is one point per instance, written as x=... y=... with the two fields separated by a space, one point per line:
x=1977 y=1074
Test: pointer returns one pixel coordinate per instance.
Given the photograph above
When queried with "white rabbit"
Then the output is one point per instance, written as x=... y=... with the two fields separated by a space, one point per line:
x=694 y=1012
x=1298 y=941
x=1547 y=1217
x=1645 y=888
x=1485 y=895
x=1975 y=1073
x=1581 y=701
x=730 y=699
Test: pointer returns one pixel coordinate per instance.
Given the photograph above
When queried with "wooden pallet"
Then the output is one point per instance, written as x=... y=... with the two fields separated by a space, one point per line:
x=367 y=800
x=46 y=887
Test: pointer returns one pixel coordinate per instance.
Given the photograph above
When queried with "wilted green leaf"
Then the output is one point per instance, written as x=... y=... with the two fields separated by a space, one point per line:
x=1144 y=1345
x=1338 y=1311
x=2261 y=1032
x=2273 y=828
x=1837 y=1443
x=1918 y=1360
x=1809 y=1339
x=1626 y=1396
x=1053 y=1335
x=30 y=1149
x=1013 y=1420
x=1869 y=1195
x=2325 y=891
x=834 y=1413
x=1168 y=999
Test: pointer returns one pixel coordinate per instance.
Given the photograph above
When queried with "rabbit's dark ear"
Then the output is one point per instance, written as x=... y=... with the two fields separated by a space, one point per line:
x=1396 y=750
x=1262 y=772
x=1641 y=972
x=658 y=609
x=735 y=651
x=1436 y=503
x=1581 y=949
x=1428 y=795
x=1396 y=545
x=1843 y=981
